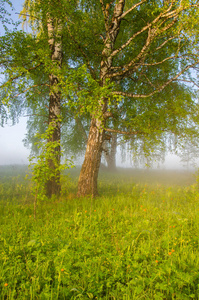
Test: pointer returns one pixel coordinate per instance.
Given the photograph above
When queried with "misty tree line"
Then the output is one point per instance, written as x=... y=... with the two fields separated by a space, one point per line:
x=95 y=74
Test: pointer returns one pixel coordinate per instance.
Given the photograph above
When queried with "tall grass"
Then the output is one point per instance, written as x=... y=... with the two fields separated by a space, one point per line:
x=138 y=240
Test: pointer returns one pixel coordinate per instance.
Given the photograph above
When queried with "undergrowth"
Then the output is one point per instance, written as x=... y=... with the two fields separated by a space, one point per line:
x=135 y=241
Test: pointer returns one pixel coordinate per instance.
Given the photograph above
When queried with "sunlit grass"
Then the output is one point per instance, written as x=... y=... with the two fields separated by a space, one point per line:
x=136 y=241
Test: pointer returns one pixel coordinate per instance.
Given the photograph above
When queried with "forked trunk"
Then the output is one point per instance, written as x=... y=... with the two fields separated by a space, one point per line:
x=87 y=184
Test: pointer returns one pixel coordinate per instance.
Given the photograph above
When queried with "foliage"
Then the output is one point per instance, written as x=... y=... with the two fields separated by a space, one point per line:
x=137 y=240
x=41 y=172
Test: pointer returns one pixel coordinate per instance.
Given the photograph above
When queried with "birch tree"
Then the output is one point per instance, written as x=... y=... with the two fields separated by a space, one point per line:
x=143 y=48
x=32 y=67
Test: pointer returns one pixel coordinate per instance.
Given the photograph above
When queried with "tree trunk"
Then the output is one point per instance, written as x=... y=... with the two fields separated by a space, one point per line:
x=110 y=153
x=53 y=184
x=87 y=184
x=54 y=28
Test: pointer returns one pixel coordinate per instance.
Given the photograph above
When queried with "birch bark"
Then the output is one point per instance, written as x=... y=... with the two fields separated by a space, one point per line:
x=87 y=184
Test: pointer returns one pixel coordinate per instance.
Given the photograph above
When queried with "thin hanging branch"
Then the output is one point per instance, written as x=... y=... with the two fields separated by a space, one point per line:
x=159 y=89
x=32 y=87
x=123 y=132
x=20 y=75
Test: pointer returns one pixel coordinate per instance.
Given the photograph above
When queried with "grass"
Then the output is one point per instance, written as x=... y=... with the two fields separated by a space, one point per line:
x=138 y=240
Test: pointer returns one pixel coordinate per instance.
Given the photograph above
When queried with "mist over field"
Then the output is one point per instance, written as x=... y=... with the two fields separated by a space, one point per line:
x=13 y=151
x=135 y=238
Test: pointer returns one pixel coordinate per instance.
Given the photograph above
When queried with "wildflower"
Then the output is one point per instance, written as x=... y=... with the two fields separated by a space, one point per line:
x=172 y=250
x=156 y=261
x=6 y=284
x=170 y=253
x=30 y=216
x=62 y=270
x=85 y=211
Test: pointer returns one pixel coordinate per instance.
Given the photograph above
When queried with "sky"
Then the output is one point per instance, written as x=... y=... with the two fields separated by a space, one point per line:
x=12 y=150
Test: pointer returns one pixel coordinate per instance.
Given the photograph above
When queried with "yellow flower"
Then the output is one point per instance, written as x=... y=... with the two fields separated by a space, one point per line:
x=6 y=284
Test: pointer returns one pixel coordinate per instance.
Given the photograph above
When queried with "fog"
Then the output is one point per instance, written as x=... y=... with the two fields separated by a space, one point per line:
x=12 y=150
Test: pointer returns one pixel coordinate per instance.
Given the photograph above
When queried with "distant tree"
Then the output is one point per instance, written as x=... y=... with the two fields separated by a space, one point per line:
x=74 y=129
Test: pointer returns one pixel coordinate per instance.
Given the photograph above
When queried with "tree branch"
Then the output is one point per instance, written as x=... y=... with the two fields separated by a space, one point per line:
x=123 y=132
x=152 y=33
x=31 y=87
x=132 y=8
x=166 y=15
x=141 y=55
x=84 y=54
x=18 y=76
x=158 y=89
x=105 y=13
x=38 y=115
x=167 y=58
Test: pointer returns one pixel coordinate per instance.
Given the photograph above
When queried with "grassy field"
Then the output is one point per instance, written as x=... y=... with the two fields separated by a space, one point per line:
x=138 y=240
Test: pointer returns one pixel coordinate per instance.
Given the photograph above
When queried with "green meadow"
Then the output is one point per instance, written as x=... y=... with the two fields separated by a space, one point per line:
x=138 y=240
